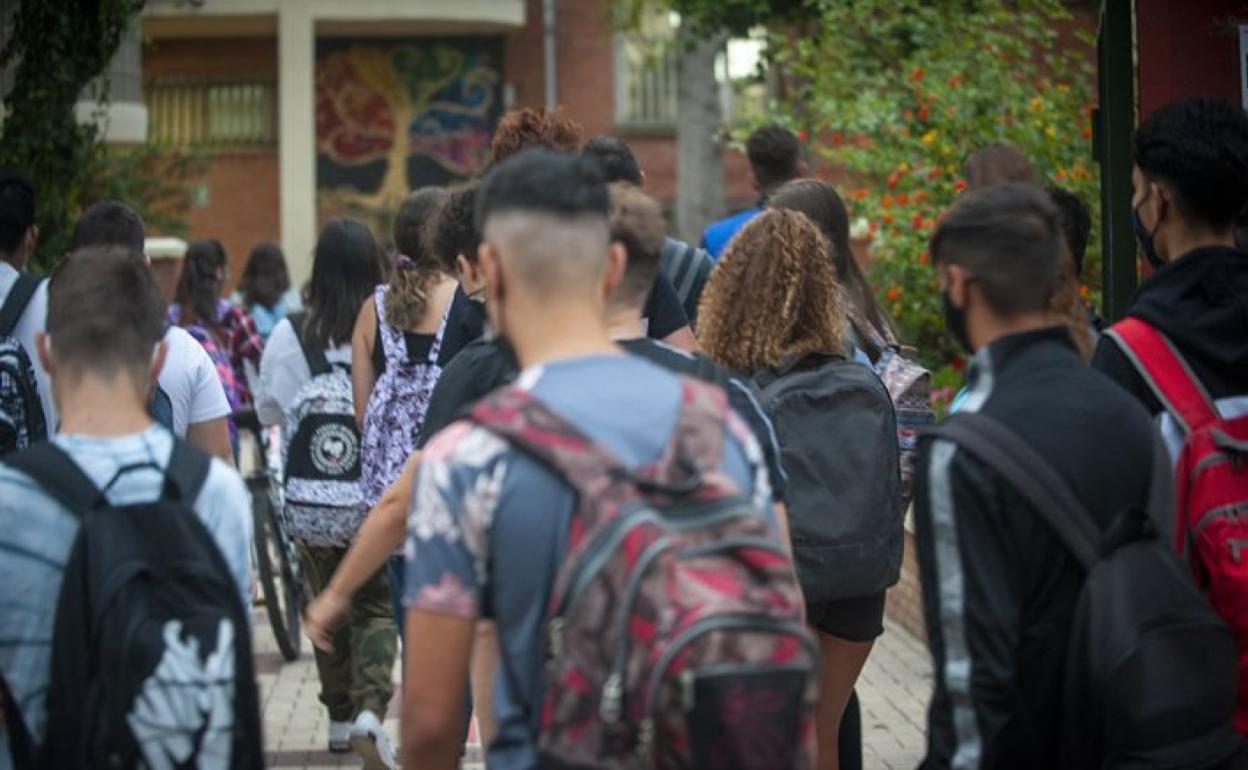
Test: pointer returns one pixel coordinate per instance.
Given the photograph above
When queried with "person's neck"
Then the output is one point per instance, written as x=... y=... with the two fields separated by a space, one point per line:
x=1185 y=242
x=554 y=331
x=95 y=406
x=993 y=328
x=624 y=323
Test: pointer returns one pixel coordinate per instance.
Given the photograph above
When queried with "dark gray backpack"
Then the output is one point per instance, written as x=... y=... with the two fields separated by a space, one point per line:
x=838 y=442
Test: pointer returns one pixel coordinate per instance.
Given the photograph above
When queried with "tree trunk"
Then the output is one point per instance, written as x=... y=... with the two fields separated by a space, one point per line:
x=699 y=120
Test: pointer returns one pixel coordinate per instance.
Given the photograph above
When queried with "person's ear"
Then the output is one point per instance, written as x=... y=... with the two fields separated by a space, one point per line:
x=32 y=240
x=803 y=169
x=957 y=285
x=469 y=275
x=617 y=264
x=643 y=179
x=43 y=344
x=488 y=270
x=1159 y=203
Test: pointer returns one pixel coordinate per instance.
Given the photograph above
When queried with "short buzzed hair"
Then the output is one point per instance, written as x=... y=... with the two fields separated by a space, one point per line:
x=90 y=330
x=548 y=212
x=637 y=223
x=1009 y=238
x=774 y=155
x=110 y=223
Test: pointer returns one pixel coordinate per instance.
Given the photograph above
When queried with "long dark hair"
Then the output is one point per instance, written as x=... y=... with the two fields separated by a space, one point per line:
x=199 y=286
x=265 y=278
x=346 y=268
x=821 y=203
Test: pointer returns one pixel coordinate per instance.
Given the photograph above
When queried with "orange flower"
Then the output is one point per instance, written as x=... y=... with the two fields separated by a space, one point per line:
x=893 y=294
x=892 y=181
x=920 y=196
x=1086 y=133
x=838 y=138
x=908 y=115
x=873 y=227
x=917 y=222
x=924 y=257
x=928 y=224
x=903 y=199
x=934 y=173
x=923 y=113
x=801 y=135
x=959 y=185
x=886 y=201
x=955 y=81
x=861 y=193
x=916 y=75
x=1084 y=291
x=888 y=219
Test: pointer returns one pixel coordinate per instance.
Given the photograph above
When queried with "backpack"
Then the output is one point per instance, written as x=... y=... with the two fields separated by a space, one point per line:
x=160 y=407
x=688 y=268
x=321 y=453
x=22 y=422
x=838 y=444
x=675 y=634
x=220 y=362
x=151 y=645
x=1211 y=488
x=1150 y=667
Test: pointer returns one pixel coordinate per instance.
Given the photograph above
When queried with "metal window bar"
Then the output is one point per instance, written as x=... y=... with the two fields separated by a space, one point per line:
x=218 y=114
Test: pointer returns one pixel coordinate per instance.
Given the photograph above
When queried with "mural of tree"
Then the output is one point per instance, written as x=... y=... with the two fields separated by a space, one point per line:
x=392 y=116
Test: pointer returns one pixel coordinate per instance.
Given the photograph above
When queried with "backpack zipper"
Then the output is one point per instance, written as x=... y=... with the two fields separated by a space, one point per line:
x=613 y=690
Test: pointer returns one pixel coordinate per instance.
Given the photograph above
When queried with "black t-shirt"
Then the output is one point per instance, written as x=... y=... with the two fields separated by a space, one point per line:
x=465 y=324
x=484 y=366
x=663 y=312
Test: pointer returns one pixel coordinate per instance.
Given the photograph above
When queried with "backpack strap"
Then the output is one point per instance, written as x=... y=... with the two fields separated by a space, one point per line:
x=20 y=294
x=1031 y=475
x=1170 y=378
x=57 y=475
x=20 y=742
x=318 y=364
x=186 y=472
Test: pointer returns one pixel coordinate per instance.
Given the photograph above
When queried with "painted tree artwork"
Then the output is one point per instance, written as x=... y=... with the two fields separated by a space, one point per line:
x=396 y=115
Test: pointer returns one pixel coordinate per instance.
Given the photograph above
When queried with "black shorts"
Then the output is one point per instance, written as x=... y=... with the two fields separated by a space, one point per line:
x=854 y=620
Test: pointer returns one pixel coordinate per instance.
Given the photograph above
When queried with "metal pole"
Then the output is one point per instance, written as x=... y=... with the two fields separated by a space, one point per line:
x=549 y=51
x=1115 y=125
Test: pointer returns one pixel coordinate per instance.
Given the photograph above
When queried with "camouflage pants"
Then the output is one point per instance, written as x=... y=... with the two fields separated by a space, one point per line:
x=355 y=677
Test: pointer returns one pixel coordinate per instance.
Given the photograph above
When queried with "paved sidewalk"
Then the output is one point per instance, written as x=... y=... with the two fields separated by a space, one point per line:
x=893 y=691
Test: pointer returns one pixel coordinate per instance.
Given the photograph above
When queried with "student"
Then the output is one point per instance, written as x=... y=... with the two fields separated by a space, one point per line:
x=264 y=290
x=103 y=357
x=999 y=588
x=189 y=398
x=775 y=158
x=19 y=235
x=355 y=667
x=686 y=266
x=1077 y=229
x=998 y=163
x=528 y=128
x=774 y=310
x=549 y=266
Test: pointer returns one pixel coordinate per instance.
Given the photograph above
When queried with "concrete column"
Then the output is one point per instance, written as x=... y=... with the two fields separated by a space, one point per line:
x=296 y=50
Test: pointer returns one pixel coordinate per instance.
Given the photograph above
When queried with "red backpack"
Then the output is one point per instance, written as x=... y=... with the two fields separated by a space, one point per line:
x=1211 y=487
x=674 y=635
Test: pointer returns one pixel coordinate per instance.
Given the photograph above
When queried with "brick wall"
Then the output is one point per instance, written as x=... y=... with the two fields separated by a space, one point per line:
x=905 y=600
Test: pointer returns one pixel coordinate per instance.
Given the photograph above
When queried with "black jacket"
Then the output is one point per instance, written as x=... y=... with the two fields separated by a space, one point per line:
x=998 y=587
x=1200 y=301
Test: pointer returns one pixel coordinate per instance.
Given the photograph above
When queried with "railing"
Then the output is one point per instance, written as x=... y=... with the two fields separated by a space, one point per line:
x=645 y=83
x=212 y=113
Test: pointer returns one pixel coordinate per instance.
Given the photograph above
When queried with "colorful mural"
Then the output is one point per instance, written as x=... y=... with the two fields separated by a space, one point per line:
x=395 y=115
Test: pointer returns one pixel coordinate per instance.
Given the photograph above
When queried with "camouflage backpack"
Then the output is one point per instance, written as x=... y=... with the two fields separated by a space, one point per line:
x=674 y=634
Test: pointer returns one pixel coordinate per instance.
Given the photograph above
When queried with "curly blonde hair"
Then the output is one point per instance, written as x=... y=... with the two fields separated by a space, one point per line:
x=773 y=295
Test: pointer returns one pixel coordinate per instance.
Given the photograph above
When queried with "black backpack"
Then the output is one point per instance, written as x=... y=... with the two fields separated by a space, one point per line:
x=688 y=268
x=1150 y=676
x=838 y=444
x=22 y=422
x=151 y=646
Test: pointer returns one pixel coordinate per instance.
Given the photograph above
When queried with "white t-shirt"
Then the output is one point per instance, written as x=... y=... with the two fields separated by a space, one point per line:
x=284 y=370
x=33 y=321
x=190 y=381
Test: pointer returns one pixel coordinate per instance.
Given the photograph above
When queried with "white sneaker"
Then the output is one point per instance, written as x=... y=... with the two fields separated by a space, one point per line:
x=370 y=741
x=339 y=737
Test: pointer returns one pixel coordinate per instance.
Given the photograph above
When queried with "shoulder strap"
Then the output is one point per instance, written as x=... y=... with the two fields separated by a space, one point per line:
x=15 y=725
x=57 y=475
x=1169 y=377
x=1031 y=475
x=20 y=294
x=318 y=364
x=186 y=473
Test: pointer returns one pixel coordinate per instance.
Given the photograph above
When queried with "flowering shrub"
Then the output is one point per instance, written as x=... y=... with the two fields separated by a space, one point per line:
x=899 y=93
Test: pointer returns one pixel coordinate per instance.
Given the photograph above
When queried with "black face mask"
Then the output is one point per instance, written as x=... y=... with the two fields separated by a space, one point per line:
x=955 y=323
x=1146 y=240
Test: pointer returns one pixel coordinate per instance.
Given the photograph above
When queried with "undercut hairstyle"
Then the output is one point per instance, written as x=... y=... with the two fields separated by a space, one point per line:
x=1198 y=148
x=1008 y=237
x=110 y=223
x=456 y=232
x=17 y=211
x=418 y=265
x=821 y=203
x=91 y=331
x=774 y=155
x=1076 y=223
x=546 y=212
x=346 y=268
x=773 y=295
x=530 y=127
x=200 y=283
x=265 y=277
x=998 y=163
x=637 y=223
x=616 y=159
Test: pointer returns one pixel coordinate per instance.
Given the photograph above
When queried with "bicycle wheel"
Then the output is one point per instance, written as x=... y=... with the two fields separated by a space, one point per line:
x=278 y=577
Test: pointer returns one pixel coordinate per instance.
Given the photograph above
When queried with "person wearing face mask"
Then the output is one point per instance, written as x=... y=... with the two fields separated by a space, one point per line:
x=999 y=588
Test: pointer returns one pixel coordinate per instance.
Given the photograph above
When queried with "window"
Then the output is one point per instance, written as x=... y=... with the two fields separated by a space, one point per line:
x=212 y=113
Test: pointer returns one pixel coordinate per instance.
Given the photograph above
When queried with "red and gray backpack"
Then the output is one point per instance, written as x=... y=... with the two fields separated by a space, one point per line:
x=1211 y=487
x=675 y=634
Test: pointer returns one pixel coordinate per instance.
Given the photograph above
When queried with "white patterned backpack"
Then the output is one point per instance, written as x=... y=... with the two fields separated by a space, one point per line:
x=321 y=454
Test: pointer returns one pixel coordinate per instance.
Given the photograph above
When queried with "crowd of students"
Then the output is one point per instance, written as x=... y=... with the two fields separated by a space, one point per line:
x=635 y=502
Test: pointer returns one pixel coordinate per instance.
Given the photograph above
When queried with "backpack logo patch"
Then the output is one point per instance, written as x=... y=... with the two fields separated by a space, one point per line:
x=184 y=710
x=334 y=449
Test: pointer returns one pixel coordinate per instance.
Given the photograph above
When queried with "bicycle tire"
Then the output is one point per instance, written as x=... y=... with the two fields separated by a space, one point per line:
x=281 y=603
